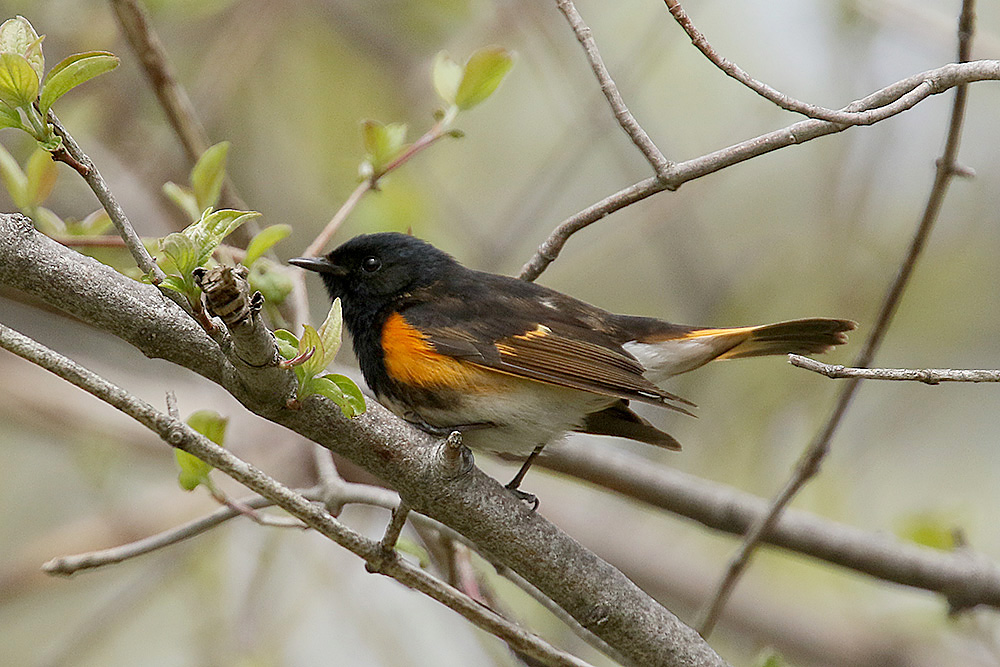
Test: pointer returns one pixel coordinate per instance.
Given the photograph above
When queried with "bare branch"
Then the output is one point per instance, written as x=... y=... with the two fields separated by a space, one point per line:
x=395 y=527
x=925 y=375
x=809 y=463
x=661 y=166
x=965 y=578
x=895 y=98
x=844 y=117
x=323 y=238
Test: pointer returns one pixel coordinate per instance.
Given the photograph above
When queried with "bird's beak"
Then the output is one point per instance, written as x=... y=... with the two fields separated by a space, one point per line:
x=319 y=265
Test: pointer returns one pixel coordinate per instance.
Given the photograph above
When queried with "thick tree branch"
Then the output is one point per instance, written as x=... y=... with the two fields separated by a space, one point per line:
x=809 y=463
x=912 y=90
x=964 y=578
x=600 y=597
x=661 y=166
x=925 y=375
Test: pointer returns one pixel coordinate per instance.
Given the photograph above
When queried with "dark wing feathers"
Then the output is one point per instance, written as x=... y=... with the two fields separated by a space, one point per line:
x=539 y=353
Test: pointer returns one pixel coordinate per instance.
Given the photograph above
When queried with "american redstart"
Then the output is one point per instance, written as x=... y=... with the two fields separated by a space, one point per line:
x=513 y=365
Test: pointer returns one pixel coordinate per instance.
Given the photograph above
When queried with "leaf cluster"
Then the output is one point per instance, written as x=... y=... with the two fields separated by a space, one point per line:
x=26 y=92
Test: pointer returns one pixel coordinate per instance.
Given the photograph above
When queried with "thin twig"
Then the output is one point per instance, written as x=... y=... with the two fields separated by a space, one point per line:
x=67 y=565
x=767 y=92
x=661 y=166
x=912 y=89
x=809 y=463
x=395 y=527
x=110 y=204
x=925 y=375
x=179 y=435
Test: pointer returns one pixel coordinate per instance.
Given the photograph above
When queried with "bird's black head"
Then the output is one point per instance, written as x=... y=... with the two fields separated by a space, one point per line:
x=372 y=271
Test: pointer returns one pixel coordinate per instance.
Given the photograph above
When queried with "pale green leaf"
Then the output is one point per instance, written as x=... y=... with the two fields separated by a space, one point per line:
x=71 y=72
x=484 y=71
x=355 y=400
x=183 y=198
x=18 y=81
x=19 y=37
x=175 y=283
x=324 y=386
x=94 y=224
x=310 y=340
x=47 y=222
x=330 y=333
x=447 y=76
x=264 y=241
x=288 y=344
x=208 y=174
x=271 y=281
x=210 y=424
x=194 y=471
x=382 y=142
x=41 y=172
x=14 y=179
x=182 y=253
x=208 y=232
x=9 y=118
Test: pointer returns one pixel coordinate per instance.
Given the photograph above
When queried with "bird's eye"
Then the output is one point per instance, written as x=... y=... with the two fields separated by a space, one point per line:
x=371 y=264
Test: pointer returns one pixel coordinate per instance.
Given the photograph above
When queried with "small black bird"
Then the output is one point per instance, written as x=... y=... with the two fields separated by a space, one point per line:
x=514 y=365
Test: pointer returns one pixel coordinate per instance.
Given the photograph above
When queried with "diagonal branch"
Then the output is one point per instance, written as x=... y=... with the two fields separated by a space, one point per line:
x=809 y=463
x=661 y=166
x=896 y=98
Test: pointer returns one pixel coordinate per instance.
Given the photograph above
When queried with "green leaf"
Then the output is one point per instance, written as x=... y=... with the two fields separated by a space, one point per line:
x=47 y=222
x=208 y=174
x=271 y=281
x=71 y=72
x=18 y=81
x=314 y=364
x=213 y=227
x=484 y=71
x=263 y=242
x=288 y=344
x=406 y=546
x=382 y=142
x=9 y=118
x=183 y=198
x=352 y=393
x=176 y=283
x=339 y=389
x=19 y=37
x=94 y=224
x=447 y=76
x=41 y=172
x=330 y=333
x=194 y=471
x=14 y=179
x=210 y=424
x=181 y=251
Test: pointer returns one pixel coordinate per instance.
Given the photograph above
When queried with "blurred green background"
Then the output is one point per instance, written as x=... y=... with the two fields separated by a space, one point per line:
x=817 y=229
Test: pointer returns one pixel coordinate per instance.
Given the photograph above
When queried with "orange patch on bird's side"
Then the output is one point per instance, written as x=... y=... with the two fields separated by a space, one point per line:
x=410 y=358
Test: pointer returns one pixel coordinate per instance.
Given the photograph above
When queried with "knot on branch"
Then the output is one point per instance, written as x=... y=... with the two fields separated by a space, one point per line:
x=456 y=459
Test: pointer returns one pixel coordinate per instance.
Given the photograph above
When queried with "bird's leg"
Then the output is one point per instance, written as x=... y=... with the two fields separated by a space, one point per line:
x=511 y=486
